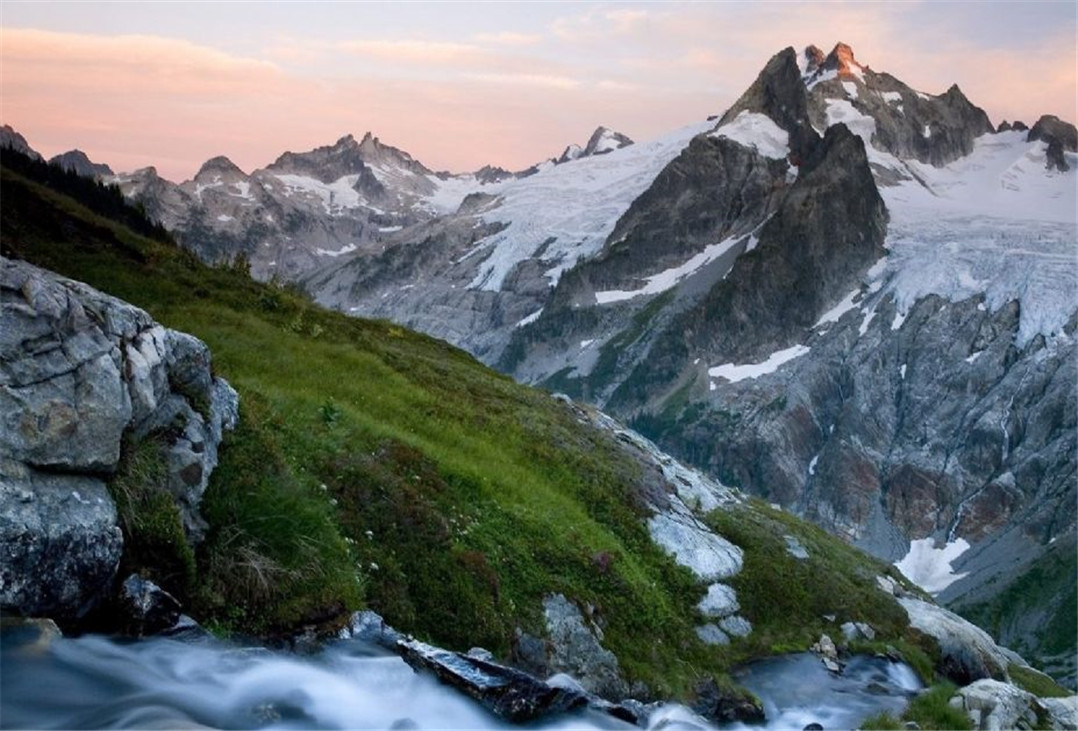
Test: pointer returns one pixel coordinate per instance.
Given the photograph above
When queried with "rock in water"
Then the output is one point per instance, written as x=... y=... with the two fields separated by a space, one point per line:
x=509 y=694
x=725 y=704
x=148 y=608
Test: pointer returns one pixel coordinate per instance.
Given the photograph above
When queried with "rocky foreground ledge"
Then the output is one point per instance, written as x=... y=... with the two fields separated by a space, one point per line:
x=83 y=374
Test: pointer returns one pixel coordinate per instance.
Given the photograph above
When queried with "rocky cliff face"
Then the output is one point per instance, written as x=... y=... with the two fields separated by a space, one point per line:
x=81 y=374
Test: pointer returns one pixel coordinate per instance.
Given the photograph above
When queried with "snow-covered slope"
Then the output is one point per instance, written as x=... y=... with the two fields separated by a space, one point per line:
x=997 y=222
x=565 y=212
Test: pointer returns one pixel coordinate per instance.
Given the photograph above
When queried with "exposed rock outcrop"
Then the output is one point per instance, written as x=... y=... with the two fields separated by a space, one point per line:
x=967 y=653
x=993 y=705
x=1060 y=136
x=80 y=372
x=576 y=649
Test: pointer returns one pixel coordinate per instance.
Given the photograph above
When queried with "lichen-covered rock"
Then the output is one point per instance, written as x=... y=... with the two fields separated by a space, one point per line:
x=1062 y=712
x=720 y=601
x=575 y=649
x=60 y=543
x=967 y=652
x=993 y=705
x=79 y=372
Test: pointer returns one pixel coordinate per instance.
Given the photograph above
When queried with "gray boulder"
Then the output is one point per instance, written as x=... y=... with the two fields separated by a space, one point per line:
x=575 y=649
x=1062 y=712
x=967 y=652
x=80 y=372
x=1059 y=135
x=993 y=705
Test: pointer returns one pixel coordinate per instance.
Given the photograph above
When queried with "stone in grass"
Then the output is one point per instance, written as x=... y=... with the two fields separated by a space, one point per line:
x=710 y=634
x=720 y=601
x=736 y=626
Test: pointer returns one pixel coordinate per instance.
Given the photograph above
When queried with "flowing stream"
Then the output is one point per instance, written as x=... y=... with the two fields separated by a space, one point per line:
x=160 y=683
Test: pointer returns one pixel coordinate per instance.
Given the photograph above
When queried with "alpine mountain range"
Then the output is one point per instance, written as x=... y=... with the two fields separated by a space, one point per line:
x=851 y=298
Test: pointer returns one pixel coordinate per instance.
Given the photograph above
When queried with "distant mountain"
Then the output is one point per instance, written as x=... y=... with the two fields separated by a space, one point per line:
x=77 y=162
x=10 y=138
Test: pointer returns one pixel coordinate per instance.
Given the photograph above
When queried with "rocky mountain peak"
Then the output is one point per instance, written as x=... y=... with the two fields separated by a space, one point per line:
x=814 y=58
x=779 y=92
x=219 y=166
x=348 y=141
x=492 y=174
x=841 y=60
x=77 y=162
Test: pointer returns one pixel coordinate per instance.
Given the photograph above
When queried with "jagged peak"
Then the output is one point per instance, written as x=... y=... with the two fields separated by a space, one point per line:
x=839 y=63
x=842 y=60
x=814 y=58
x=218 y=165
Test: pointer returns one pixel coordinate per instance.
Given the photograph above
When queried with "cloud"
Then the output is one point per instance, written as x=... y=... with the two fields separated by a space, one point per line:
x=508 y=38
x=415 y=51
x=552 y=82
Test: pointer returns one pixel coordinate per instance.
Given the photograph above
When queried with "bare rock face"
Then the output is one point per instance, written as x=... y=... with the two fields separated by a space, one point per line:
x=1060 y=136
x=779 y=93
x=79 y=372
x=60 y=542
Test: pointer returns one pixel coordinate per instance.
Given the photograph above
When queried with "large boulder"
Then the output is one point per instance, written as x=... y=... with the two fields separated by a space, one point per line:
x=80 y=372
x=967 y=652
x=993 y=705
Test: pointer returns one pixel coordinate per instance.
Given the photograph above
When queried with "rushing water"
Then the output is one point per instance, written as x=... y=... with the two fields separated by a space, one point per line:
x=98 y=682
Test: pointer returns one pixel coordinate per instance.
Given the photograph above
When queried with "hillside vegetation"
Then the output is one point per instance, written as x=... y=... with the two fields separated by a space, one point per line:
x=377 y=467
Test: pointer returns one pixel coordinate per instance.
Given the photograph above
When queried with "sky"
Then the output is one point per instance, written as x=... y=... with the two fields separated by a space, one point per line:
x=463 y=84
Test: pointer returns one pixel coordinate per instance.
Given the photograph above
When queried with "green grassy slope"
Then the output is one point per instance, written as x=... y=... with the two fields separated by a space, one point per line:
x=377 y=467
